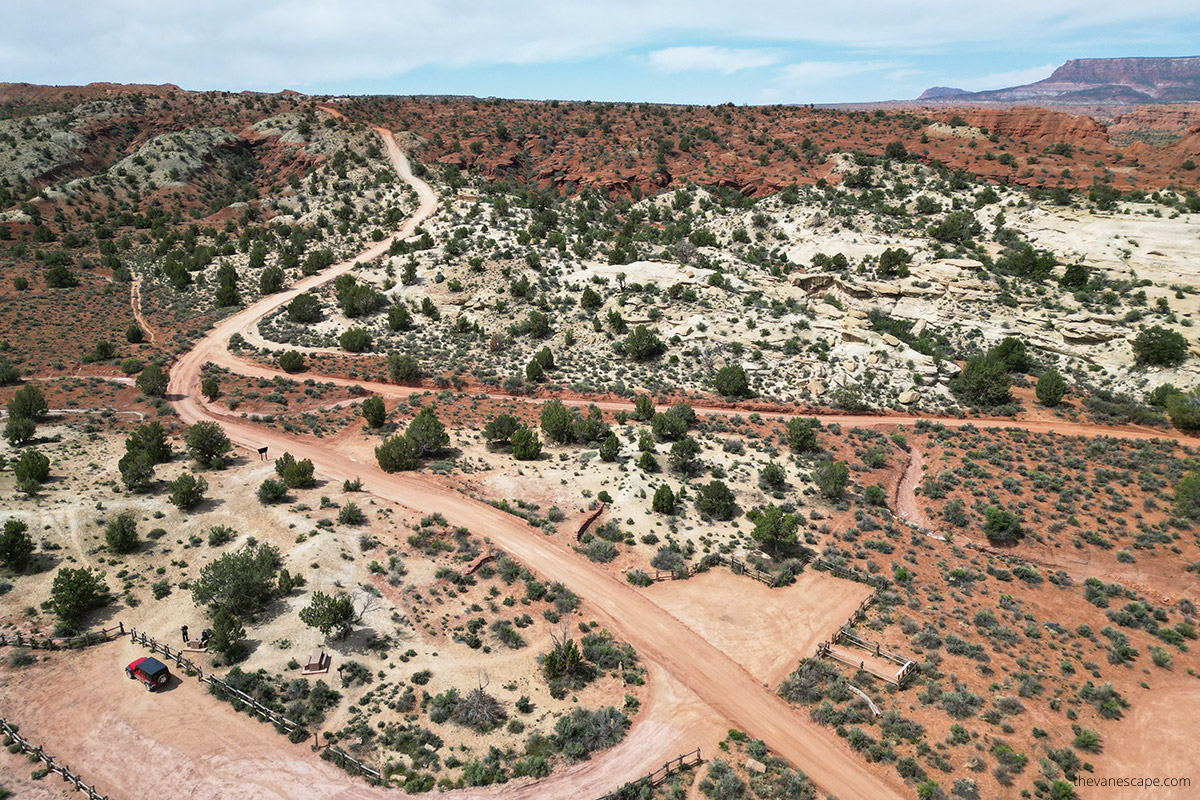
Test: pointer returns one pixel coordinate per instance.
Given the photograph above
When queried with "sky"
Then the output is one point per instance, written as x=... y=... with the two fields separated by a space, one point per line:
x=674 y=51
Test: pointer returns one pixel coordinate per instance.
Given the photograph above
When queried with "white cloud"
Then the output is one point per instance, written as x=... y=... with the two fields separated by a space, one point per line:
x=713 y=59
x=301 y=43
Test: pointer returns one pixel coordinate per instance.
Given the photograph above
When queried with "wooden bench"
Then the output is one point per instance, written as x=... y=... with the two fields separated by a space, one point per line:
x=317 y=663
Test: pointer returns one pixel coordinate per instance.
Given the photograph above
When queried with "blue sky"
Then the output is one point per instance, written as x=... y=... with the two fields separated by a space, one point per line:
x=702 y=51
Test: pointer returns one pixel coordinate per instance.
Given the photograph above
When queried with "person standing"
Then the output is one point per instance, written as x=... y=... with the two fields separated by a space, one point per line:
x=185 y=639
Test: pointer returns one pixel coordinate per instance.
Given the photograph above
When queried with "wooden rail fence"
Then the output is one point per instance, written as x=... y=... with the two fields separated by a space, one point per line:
x=64 y=642
x=658 y=776
x=735 y=566
x=236 y=696
x=10 y=732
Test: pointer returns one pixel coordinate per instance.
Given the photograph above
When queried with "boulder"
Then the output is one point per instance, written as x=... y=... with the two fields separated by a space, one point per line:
x=909 y=397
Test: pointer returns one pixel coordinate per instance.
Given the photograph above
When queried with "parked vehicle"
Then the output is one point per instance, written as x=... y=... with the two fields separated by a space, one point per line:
x=150 y=671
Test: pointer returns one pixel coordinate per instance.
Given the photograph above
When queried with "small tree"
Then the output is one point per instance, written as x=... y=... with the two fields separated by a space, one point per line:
x=684 y=456
x=832 y=478
x=1187 y=496
x=150 y=438
x=500 y=429
x=427 y=434
x=396 y=454
x=16 y=545
x=590 y=300
x=241 y=582
x=772 y=476
x=228 y=636
x=210 y=387
x=775 y=529
x=801 y=435
x=717 y=500
x=643 y=407
x=731 y=381
x=610 y=448
x=187 y=491
x=403 y=368
x=557 y=422
x=1184 y=410
x=208 y=444
x=295 y=474
x=355 y=340
x=1012 y=353
x=534 y=372
x=272 y=491
x=137 y=471
x=19 y=430
x=1159 y=347
x=28 y=403
x=643 y=344
x=305 y=308
x=329 y=614
x=664 y=500
x=1001 y=526
x=31 y=470
x=76 y=592
x=120 y=534
x=292 y=362
x=1050 y=388
x=152 y=381
x=525 y=444
x=373 y=411
x=984 y=382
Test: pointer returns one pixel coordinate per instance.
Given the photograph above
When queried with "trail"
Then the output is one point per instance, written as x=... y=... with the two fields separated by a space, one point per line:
x=660 y=638
x=135 y=301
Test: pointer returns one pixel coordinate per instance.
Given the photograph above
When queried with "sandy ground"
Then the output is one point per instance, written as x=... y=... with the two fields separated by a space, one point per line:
x=183 y=742
x=1157 y=742
x=766 y=631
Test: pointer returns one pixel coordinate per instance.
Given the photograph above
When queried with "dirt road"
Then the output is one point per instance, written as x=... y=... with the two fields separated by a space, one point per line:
x=660 y=638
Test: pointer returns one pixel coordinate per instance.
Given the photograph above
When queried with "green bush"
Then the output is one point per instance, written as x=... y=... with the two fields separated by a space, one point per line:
x=1156 y=346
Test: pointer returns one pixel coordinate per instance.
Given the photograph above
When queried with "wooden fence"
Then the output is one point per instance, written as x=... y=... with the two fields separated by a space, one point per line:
x=10 y=732
x=236 y=696
x=658 y=776
x=735 y=566
x=64 y=642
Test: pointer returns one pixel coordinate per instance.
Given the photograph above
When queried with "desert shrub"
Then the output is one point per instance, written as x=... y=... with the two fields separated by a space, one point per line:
x=120 y=534
x=1159 y=347
x=187 y=491
x=832 y=478
x=272 y=491
x=731 y=382
x=716 y=500
x=355 y=340
x=292 y=362
x=76 y=592
x=1050 y=388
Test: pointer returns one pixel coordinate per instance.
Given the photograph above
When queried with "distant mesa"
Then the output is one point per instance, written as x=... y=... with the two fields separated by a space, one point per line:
x=1093 y=81
x=939 y=92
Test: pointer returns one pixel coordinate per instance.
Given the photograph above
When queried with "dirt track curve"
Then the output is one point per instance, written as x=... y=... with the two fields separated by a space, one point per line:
x=659 y=637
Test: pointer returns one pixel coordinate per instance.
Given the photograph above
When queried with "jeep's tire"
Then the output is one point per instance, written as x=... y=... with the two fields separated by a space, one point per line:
x=129 y=673
x=162 y=679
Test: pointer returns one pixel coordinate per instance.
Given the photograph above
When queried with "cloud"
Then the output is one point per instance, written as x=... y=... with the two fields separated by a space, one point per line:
x=270 y=44
x=713 y=59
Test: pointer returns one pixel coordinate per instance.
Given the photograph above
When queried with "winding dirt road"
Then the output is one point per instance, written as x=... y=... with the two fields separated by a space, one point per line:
x=717 y=681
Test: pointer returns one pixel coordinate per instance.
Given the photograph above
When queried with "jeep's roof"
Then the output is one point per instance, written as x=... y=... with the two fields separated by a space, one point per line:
x=151 y=666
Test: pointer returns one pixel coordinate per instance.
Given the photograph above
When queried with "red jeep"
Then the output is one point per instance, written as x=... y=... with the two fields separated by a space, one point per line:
x=149 y=671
